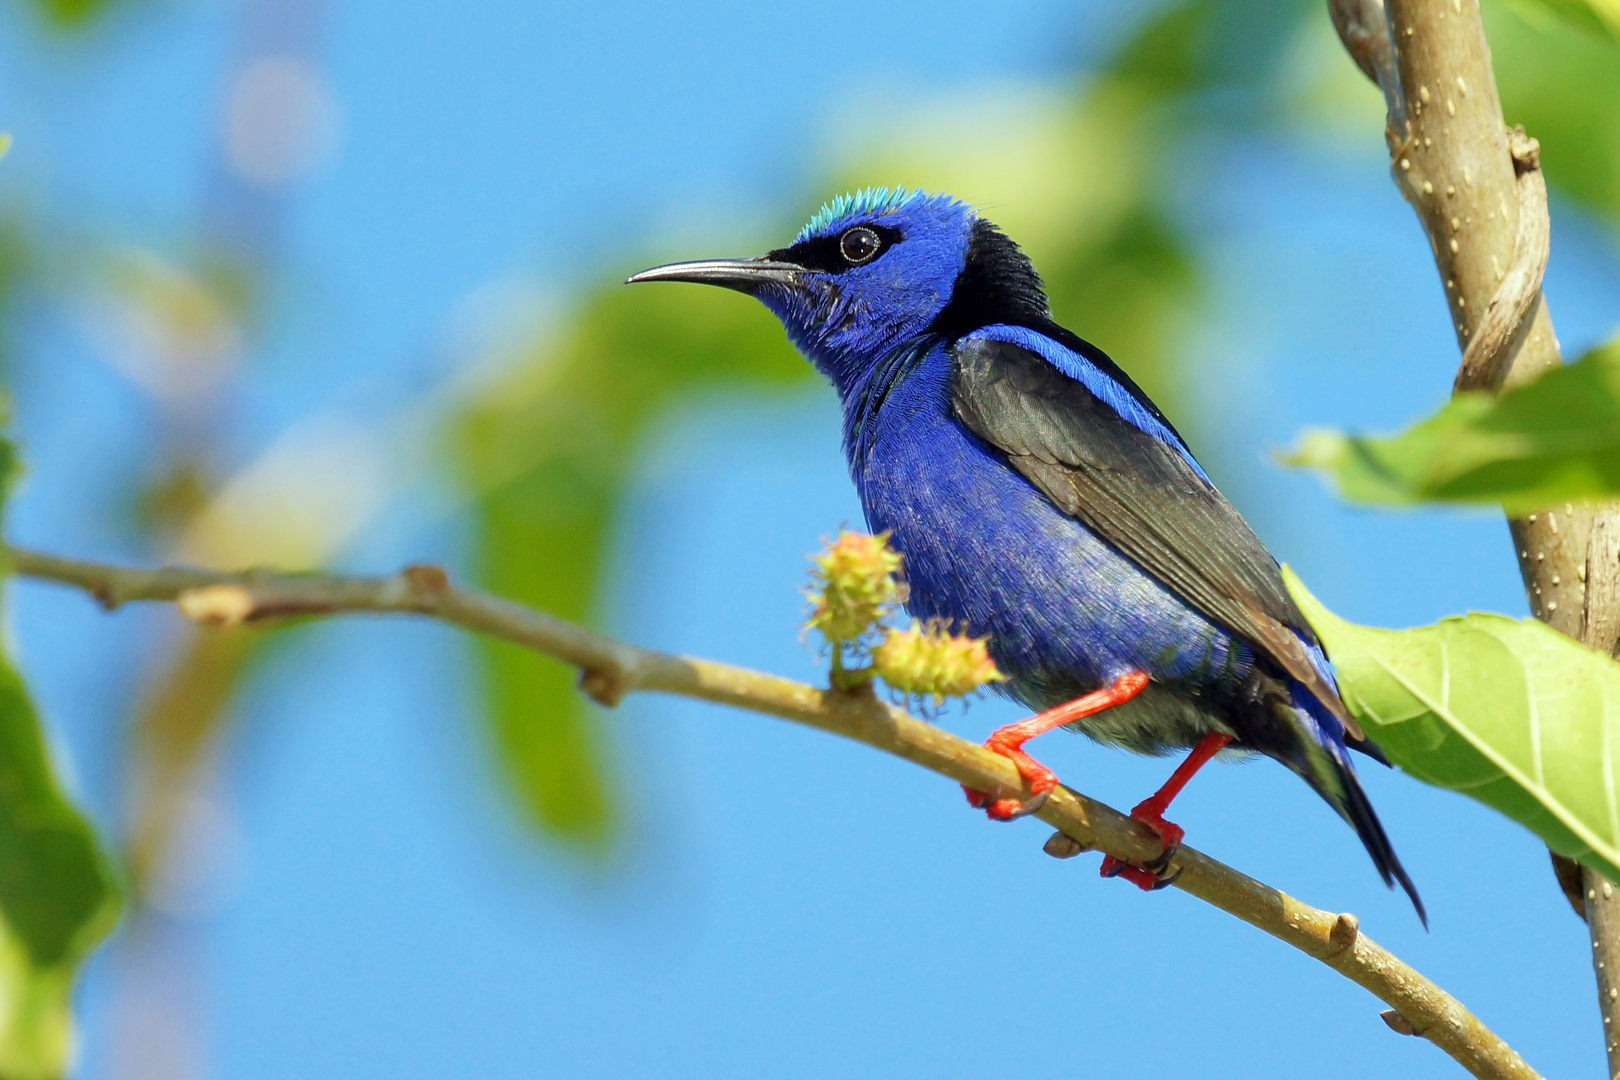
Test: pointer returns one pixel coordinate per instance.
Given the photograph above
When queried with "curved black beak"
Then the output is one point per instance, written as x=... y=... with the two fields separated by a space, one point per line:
x=744 y=275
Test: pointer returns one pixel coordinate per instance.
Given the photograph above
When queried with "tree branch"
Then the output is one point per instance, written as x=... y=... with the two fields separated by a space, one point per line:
x=610 y=669
x=1480 y=196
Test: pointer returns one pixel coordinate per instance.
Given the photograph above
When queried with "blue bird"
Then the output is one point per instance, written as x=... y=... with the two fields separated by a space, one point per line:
x=1041 y=498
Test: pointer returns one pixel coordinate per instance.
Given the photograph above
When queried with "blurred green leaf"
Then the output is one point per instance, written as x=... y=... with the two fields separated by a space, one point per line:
x=1553 y=440
x=70 y=14
x=57 y=891
x=1563 y=85
x=5 y=143
x=1168 y=58
x=1130 y=283
x=1132 y=291
x=1600 y=17
x=548 y=451
x=1508 y=712
x=17 y=265
x=178 y=718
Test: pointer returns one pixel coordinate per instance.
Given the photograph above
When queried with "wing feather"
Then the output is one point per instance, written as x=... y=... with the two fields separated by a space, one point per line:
x=1141 y=493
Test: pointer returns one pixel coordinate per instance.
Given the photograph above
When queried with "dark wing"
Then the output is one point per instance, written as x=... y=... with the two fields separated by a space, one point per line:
x=1140 y=493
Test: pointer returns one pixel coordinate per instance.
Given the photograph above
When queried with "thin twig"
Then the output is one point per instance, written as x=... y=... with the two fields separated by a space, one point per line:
x=610 y=669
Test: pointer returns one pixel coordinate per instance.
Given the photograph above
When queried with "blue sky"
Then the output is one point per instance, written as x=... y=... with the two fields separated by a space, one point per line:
x=788 y=905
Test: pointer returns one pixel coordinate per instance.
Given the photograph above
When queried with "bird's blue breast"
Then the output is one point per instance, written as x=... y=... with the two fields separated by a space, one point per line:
x=1066 y=612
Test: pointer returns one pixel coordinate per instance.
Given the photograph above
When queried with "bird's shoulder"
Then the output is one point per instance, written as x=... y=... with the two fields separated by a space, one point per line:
x=1052 y=363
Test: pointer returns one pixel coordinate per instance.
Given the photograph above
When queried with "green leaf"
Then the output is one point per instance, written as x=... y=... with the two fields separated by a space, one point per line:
x=1168 y=57
x=57 y=892
x=1553 y=440
x=70 y=14
x=1563 y=84
x=542 y=544
x=1600 y=17
x=1508 y=712
x=546 y=453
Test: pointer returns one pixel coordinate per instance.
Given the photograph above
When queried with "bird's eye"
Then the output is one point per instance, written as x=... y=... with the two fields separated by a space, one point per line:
x=859 y=245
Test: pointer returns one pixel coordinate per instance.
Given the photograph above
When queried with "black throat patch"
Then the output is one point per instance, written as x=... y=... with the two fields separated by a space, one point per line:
x=998 y=284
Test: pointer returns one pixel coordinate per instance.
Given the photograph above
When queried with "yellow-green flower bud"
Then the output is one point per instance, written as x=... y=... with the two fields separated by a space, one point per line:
x=932 y=662
x=853 y=585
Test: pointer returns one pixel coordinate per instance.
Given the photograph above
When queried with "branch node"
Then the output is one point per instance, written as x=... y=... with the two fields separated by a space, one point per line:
x=425 y=581
x=854 y=685
x=1526 y=151
x=1060 y=845
x=1399 y=1024
x=604 y=687
x=217 y=605
x=849 y=680
x=1346 y=928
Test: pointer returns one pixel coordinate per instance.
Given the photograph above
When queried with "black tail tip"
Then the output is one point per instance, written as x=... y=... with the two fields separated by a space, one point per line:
x=1411 y=890
x=1358 y=811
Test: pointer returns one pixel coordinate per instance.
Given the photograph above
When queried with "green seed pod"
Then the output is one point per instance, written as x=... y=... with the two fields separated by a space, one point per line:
x=853 y=585
x=929 y=660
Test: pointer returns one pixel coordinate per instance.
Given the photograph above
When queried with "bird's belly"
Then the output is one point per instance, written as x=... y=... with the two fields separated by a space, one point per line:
x=1066 y=612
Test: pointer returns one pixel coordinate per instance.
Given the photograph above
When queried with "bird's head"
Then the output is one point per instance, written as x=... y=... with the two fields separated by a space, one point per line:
x=874 y=270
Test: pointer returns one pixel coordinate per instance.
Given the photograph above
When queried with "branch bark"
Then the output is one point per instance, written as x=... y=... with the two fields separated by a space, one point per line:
x=610 y=669
x=1479 y=194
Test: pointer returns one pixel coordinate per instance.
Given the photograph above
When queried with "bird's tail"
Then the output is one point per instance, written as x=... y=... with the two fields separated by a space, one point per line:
x=1327 y=769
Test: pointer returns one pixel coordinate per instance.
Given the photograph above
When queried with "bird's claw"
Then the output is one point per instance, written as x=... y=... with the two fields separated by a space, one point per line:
x=1005 y=809
x=1158 y=865
x=1143 y=878
x=1153 y=874
x=1009 y=743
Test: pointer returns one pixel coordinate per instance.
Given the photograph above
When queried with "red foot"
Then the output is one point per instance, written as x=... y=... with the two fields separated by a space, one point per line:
x=1150 y=812
x=1038 y=777
x=1146 y=880
x=1009 y=742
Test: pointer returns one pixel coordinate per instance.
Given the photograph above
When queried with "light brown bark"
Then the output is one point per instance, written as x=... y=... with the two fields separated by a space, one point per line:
x=1480 y=197
x=610 y=669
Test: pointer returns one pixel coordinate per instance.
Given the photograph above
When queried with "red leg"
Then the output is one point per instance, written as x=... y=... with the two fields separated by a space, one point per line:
x=1150 y=812
x=1009 y=743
